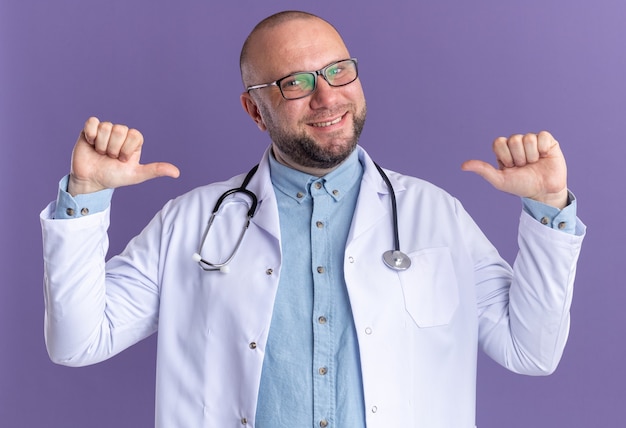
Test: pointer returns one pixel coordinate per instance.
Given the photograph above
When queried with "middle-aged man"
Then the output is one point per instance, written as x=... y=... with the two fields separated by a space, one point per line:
x=308 y=325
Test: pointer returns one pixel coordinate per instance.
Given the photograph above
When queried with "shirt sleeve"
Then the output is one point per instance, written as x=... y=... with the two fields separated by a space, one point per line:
x=564 y=220
x=68 y=206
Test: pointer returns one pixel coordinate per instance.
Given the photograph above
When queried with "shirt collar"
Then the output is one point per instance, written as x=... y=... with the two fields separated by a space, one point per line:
x=297 y=184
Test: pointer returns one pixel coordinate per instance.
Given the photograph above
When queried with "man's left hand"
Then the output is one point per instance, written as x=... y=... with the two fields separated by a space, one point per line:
x=530 y=166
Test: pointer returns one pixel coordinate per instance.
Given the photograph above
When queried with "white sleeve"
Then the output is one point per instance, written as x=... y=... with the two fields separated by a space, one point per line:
x=524 y=327
x=91 y=315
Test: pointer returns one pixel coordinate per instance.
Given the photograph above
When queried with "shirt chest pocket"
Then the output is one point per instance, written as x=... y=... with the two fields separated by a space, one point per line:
x=430 y=287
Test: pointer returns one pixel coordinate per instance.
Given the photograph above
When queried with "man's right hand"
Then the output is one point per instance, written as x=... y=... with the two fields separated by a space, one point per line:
x=107 y=156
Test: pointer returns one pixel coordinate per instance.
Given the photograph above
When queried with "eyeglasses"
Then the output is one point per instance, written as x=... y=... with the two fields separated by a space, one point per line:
x=302 y=84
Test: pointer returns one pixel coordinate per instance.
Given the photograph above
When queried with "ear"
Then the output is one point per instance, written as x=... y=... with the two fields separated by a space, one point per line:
x=250 y=106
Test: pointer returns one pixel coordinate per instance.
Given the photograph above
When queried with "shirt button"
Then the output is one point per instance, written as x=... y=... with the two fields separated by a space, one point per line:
x=319 y=224
x=322 y=320
x=320 y=269
x=351 y=259
x=269 y=271
x=84 y=211
x=545 y=220
x=562 y=225
x=374 y=409
x=368 y=330
x=323 y=370
x=335 y=192
x=323 y=423
x=70 y=212
x=244 y=421
x=299 y=195
x=252 y=345
x=318 y=185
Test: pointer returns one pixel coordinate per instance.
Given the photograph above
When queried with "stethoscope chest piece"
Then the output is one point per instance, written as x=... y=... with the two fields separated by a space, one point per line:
x=396 y=260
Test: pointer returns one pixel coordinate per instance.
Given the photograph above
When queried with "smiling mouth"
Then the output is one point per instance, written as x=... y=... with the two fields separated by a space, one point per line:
x=325 y=124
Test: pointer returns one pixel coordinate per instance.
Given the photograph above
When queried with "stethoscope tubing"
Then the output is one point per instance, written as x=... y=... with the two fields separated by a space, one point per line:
x=394 y=259
x=206 y=265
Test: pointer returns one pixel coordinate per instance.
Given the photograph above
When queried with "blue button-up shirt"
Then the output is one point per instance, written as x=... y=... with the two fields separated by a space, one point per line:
x=311 y=371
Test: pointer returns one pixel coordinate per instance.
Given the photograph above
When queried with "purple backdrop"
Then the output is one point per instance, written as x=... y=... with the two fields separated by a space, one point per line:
x=442 y=80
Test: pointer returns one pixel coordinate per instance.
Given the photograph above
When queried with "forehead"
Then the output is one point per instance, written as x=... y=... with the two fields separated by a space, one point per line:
x=296 y=45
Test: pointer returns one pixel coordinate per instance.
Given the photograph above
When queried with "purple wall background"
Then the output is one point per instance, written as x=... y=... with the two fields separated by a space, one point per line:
x=460 y=74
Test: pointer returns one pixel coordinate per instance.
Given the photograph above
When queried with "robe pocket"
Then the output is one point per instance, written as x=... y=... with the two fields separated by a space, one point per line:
x=430 y=287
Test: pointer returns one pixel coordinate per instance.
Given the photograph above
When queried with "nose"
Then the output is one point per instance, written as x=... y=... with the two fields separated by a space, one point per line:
x=324 y=94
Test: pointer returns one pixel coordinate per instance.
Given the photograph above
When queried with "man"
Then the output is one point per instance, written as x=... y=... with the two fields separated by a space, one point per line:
x=306 y=325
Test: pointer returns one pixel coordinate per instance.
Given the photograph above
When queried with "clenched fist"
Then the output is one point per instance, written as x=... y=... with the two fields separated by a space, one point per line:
x=107 y=156
x=530 y=166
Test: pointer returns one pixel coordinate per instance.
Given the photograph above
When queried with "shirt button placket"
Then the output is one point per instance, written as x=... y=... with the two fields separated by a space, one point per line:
x=320 y=238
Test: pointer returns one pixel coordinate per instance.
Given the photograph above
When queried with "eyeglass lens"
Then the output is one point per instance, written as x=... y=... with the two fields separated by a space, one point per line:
x=299 y=85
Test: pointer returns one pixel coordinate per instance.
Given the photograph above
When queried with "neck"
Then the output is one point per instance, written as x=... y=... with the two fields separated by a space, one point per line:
x=317 y=172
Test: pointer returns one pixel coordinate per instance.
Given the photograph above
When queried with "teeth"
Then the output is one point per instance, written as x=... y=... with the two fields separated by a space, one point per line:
x=324 y=124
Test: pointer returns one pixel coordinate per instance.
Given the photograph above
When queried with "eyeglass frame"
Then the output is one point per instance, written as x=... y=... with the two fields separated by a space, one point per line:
x=320 y=72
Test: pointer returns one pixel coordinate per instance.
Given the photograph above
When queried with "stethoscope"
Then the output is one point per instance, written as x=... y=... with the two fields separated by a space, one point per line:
x=394 y=259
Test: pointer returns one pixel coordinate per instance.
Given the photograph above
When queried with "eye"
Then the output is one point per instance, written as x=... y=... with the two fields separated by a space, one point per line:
x=297 y=82
x=334 y=71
